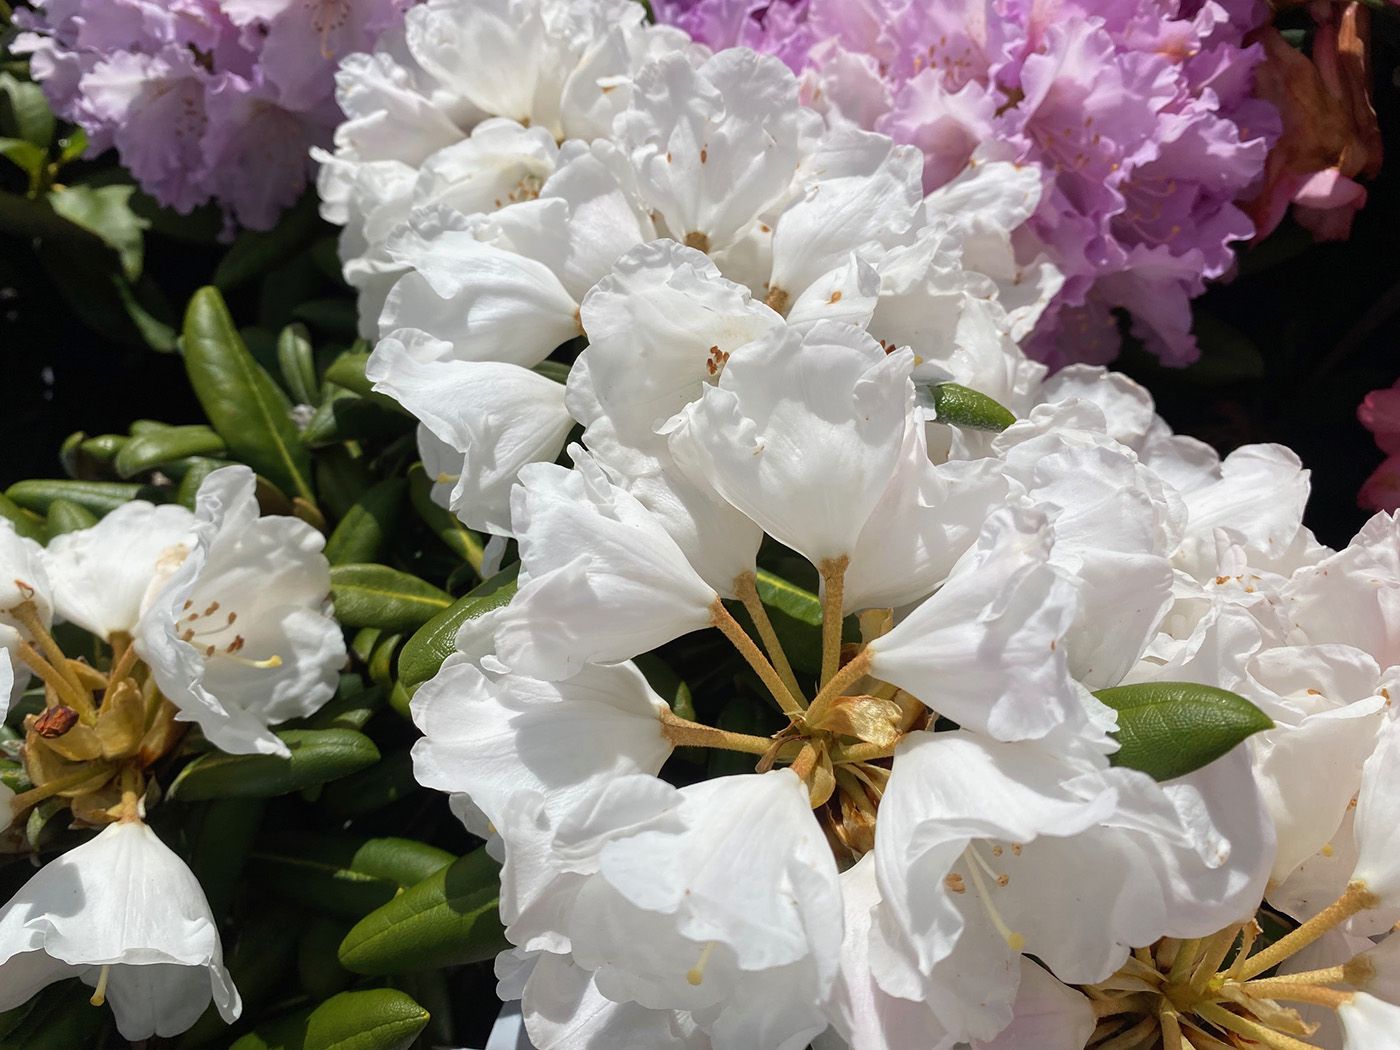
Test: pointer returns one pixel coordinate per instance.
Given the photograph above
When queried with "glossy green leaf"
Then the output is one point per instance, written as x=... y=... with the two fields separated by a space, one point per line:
x=555 y=370
x=317 y=756
x=100 y=497
x=374 y=1019
x=343 y=874
x=959 y=406
x=105 y=211
x=197 y=468
x=297 y=362
x=459 y=539
x=1169 y=729
x=26 y=522
x=103 y=448
x=341 y=478
x=221 y=846
x=378 y=596
x=382 y=784
x=348 y=370
x=424 y=653
x=67 y=516
x=256 y=252
x=352 y=706
x=24 y=112
x=448 y=919
x=26 y=156
x=364 y=532
x=150 y=450
x=71 y=146
x=245 y=406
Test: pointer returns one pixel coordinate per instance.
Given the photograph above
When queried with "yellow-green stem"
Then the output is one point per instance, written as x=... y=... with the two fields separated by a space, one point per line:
x=746 y=586
x=833 y=574
x=729 y=626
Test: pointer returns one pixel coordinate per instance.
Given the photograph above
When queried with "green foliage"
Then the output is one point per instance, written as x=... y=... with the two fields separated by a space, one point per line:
x=1169 y=729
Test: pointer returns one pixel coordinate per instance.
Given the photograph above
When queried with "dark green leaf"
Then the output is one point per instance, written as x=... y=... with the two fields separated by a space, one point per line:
x=318 y=755
x=342 y=874
x=58 y=1018
x=298 y=365
x=448 y=919
x=1169 y=729
x=263 y=950
x=335 y=317
x=100 y=497
x=221 y=847
x=197 y=468
x=344 y=415
x=555 y=370
x=67 y=516
x=381 y=785
x=348 y=370
x=146 y=451
x=378 y=596
x=24 y=112
x=960 y=407
x=363 y=533
x=318 y=962
x=106 y=212
x=245 y=406
x=26 y=522
x=255 y=252
x=797 y=619
x=375 y=1019
x=424 y=653
x=445 y=525
x=26 y=156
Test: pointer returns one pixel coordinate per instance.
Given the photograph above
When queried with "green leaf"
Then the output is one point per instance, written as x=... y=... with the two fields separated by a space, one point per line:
x=378 y=596
x=297 y=362
x=146 y=451
x=24 y=112
x=555 y=370
x=363 y=533
x=26 y=522
x=26 y=156
x=255 y=252
x=379 y=786
x=72 y=146
x=318 y=961
x=448 y=919
x=424 y=653
x=348 y=370
x=961 y=407
x=445 y=525
x=196 y=470
x=374 y=1019
x=67 y=516
x=106 y=212
x=335 y=317
x=797 y=618
x=318 y=755
x=58 y=1018
x=227 y=828
x=342 y=874
x=100 y=497
x=245 y=406
x=1169 y=729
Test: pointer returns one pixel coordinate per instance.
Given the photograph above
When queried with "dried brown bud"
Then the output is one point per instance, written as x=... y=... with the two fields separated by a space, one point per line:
x=55 y=721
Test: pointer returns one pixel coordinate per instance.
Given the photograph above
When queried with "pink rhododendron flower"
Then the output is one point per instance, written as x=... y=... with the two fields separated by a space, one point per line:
x=203 y=99
x=1379 y=413
x=1139 y=113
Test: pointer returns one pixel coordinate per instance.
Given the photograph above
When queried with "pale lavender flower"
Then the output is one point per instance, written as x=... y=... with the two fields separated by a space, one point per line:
x=1139 y=112
x=203 y=100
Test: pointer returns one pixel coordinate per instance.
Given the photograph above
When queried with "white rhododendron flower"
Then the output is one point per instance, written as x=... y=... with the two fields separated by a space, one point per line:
x=236 y=627
x=26 y=605
x=126 y=916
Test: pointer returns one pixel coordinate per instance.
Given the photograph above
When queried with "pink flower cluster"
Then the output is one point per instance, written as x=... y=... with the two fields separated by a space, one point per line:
x=1379 y=413
x=203 y=99
x=1140 y=113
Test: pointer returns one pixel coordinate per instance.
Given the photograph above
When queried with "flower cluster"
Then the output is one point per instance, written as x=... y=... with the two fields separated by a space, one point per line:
x=780 y=350
x=1139 y=116
x=215 y=617
x=202 y=99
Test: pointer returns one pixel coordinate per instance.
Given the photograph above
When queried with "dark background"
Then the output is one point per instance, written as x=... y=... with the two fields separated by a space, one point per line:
x=1292 y=343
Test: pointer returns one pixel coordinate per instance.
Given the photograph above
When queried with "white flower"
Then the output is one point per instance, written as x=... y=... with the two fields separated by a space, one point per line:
x=603 y=581
x=1377 y=825
x=1369 y=1023
x=23 y=579
x=669 y=921
x=100 y=575
x=1349 y=596
x=984 y=849
x=124 y=914
x=1046 y=1015
x=985 y=649
x=237 y=633
x=497 y=416
x=802 y=434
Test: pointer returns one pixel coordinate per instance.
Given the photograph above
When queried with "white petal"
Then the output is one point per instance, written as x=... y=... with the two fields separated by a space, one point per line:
x=1369 y=1023
x=100 y=575
x=1377 y=826
x=1047 y=1016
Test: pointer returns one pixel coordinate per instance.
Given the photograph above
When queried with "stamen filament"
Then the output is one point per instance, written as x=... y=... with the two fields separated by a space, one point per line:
x=28 y=615
x=1357 y=898
x=1171 y=1031
x=1132 y=1038
x=1186 y=957
x=1231 y=1022
x=121 y=671
x=684 y=733
x=730 y=628
x=852 y=672
x=1304 y=993
x=1330 y=975
x=1213 y=953
x=746 y=586
x=99 y=995
x=1013 y=940
x=833 y=574
x=72 y=695
x=95 y=772
x=696 y=974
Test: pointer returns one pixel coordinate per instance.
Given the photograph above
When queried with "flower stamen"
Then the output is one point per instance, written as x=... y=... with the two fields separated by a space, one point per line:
x=695 y=976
